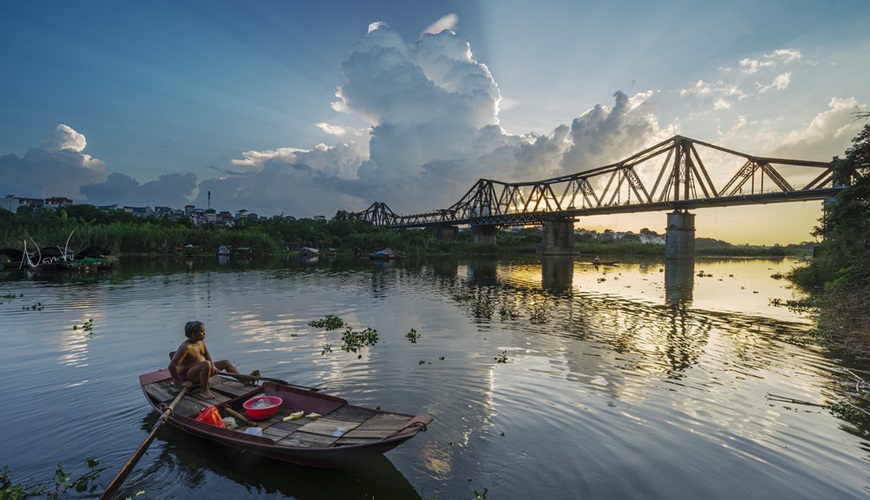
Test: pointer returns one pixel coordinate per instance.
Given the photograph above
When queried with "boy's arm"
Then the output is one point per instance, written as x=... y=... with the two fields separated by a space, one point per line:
x=177 y=358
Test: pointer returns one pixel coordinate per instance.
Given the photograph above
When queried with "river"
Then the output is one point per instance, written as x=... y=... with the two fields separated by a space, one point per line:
x=547 y=378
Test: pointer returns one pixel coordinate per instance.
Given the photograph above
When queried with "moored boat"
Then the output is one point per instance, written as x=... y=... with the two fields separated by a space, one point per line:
x=309 y=251
x=385 y=254
x=92 y=258
x=330 y=432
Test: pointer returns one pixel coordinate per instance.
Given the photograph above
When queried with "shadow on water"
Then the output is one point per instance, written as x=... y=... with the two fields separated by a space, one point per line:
x=189 y=462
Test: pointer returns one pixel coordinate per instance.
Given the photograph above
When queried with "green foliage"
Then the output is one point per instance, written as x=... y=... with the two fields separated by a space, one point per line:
x=840 y=268
x=413 y=336
x=330 y=322
x=59 y=487
x=843 y=258
x=351 y=341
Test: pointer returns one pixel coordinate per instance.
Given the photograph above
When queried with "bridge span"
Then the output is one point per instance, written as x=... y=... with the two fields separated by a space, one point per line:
x=676 y=175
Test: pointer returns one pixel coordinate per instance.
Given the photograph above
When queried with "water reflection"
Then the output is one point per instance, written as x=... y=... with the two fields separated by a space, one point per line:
x=679 y=281
x=557 y=272
x=662 y=379
x=189 y=463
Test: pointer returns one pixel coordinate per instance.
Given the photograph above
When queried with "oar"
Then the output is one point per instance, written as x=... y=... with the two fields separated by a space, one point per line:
x=116 y=483
x=239 y=376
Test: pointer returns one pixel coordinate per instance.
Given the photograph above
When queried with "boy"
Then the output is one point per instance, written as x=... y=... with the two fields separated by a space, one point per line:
x=192 y=362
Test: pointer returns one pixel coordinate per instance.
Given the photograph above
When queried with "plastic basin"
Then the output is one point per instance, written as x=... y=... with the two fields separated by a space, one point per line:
x=257 y=410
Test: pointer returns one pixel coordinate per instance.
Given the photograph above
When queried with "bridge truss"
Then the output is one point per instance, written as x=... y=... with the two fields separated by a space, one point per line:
x=671 y=175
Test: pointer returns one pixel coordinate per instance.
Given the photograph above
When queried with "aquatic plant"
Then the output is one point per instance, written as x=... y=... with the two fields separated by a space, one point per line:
x=351 y=341
x=413 y=336
x=87 y=326
x=63 y=485
x=330 y=322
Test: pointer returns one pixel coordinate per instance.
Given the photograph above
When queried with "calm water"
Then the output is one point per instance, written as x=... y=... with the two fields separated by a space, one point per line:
x=619 y=382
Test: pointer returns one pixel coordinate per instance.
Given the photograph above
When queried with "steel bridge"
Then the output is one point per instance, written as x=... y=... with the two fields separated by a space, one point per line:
x=670 y=176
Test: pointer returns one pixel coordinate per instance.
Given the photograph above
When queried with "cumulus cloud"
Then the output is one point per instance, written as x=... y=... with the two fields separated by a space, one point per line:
x=64 y=137
x=829 y=133
x=172 y=190
x=605 y=135
x=56 y=168
x=433 y=111
x=781 y=82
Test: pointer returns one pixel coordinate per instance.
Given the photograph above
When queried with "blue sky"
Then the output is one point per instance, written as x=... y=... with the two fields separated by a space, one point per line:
x=308 y=108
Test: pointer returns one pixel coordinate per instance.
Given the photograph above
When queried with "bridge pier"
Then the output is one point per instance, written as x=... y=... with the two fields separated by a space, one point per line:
x=557 y=237
x=484 y=234
x=448 y=233
x=680 y=236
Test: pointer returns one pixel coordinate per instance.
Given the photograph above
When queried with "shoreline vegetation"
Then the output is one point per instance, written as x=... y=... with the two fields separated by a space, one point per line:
x=123 y=233
x=838 y=276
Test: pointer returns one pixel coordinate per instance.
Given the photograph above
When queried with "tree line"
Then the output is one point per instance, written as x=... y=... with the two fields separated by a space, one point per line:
x=838 y=277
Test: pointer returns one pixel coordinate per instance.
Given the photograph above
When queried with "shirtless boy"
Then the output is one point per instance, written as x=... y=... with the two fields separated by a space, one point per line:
x=192 y=362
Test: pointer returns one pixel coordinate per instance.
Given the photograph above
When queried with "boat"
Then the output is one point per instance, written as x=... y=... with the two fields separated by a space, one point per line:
x=92 y=258
x=224 y=250
x=309 y=251
x=597 y=263
x=12 y=258
x=385 y=254
x=330 y=433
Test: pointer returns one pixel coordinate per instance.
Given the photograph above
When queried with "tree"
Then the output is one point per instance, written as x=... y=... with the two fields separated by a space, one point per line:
x=85 y=212
x=845 y=228
x=842 y=261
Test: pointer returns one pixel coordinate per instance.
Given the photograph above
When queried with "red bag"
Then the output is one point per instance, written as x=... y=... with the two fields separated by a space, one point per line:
x=211 y=416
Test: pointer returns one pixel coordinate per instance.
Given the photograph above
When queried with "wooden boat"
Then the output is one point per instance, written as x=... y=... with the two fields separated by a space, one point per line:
x=342 y=435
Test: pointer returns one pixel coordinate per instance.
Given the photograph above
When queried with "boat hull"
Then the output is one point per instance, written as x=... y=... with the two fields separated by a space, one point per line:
x=344 y=434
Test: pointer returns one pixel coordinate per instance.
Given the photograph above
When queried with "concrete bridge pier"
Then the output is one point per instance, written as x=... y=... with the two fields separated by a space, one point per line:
x=680 y=236
x=557 y=237
x=484 y=234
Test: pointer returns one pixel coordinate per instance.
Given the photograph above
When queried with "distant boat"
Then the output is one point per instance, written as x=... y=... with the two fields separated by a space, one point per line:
x=309 y=252
x=225 y=250
x=604 y=263
x=385 y=254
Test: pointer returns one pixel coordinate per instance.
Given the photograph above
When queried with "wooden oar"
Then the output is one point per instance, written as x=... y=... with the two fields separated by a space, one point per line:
x=239 y=376
x=116 y=483
x=241 y=417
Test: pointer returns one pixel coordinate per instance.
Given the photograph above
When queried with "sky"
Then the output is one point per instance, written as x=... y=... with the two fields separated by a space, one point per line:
x=308 y=108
